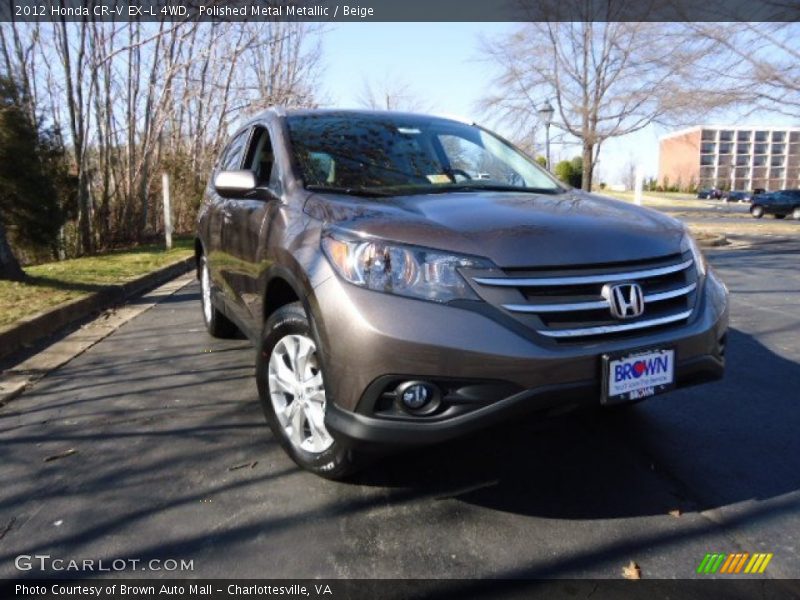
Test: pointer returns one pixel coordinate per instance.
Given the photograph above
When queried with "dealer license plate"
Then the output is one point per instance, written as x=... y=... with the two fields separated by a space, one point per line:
x=638 y=375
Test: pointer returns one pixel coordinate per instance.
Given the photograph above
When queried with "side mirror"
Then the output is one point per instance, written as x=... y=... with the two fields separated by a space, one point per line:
x=235 y=183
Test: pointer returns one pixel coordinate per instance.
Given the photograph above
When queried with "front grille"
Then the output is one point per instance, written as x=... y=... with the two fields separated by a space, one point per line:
x=567 y=305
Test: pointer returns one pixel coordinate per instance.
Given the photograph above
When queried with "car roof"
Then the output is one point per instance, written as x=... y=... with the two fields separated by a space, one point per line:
x=280 y=111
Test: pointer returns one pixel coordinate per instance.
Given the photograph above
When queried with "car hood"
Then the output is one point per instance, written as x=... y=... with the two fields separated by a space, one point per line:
x=511 y=229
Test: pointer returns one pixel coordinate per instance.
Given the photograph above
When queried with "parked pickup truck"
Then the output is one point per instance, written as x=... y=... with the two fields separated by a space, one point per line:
x=395 y=299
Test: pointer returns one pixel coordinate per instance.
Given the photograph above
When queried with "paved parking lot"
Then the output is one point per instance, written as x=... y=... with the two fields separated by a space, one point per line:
x=172 y=459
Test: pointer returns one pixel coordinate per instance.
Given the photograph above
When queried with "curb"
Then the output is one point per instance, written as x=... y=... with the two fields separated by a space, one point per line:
x=31 y=329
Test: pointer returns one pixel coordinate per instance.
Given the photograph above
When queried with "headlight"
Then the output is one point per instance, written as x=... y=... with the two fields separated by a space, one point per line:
x=689 y=243
x=399 y=269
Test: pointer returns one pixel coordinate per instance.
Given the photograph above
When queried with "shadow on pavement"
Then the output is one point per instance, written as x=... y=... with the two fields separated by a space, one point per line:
x=725 y=436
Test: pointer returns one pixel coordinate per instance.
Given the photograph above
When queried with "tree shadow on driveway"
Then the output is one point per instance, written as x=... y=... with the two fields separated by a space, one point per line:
x=693 y=449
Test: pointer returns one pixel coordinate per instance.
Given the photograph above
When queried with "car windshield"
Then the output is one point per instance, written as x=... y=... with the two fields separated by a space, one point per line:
x=399 y=154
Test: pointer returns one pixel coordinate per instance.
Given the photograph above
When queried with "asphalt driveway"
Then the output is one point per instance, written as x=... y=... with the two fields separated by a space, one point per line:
x=157 y=448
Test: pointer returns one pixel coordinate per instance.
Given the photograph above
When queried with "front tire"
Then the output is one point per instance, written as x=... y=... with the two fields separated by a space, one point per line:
x=796 y=213
x=757 y=211
x=291 y=387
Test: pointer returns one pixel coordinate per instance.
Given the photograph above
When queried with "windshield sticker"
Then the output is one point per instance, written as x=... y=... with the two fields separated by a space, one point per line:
x=439 y=178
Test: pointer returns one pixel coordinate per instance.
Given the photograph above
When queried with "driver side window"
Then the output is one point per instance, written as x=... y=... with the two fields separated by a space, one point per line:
x=261 y=160
x=232 y=157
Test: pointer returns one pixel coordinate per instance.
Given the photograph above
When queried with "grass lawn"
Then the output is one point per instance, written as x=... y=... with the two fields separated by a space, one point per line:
x=660 y=199
x=53 y=283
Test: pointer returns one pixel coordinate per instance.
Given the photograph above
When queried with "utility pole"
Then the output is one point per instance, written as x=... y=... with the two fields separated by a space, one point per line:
x=167 y=210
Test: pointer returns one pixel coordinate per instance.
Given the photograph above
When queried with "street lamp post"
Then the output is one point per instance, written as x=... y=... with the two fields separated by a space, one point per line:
x=546 y=112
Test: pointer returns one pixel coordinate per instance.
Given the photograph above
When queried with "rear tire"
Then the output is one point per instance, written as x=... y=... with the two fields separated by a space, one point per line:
x=796 y=213
x=757 y=211
x=292 y=390
x=217 y=324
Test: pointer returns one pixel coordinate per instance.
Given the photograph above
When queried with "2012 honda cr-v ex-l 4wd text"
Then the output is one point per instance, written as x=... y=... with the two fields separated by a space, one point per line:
x=408 y=278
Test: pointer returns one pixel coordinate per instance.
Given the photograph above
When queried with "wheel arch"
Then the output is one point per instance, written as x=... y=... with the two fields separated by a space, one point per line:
x=282 y=286
x=288 y=286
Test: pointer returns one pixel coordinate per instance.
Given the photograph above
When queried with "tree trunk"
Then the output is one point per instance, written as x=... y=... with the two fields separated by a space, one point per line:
x=9 y=266
x=588 y=166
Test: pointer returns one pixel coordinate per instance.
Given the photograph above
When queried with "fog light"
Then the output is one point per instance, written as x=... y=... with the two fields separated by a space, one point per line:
x=417 y=396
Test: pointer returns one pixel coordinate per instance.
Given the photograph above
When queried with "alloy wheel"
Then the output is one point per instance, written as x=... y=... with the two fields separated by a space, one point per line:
x=297 y=393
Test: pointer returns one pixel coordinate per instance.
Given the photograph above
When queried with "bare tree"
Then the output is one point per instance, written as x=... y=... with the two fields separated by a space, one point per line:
x=135 y=98
x=758 y=63
x=628 y=174
x=606 y=79
x=390 y=94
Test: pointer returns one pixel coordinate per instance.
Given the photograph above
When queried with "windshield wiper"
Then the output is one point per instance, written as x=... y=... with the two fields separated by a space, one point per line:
x=349 y=191
x=473 y=187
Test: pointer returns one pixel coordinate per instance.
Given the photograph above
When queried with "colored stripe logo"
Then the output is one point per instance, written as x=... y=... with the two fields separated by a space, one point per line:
x=732 y=564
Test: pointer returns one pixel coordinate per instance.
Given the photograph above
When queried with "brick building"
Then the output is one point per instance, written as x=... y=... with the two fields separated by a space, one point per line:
x=737 y=158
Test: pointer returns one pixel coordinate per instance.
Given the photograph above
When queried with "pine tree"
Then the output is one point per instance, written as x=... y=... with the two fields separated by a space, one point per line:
x=30 y=210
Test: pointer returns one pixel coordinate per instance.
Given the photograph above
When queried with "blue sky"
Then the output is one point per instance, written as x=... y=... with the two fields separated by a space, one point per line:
x=441 y=64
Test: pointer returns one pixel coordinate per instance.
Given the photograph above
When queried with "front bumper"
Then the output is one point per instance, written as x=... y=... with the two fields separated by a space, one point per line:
x=371 y=337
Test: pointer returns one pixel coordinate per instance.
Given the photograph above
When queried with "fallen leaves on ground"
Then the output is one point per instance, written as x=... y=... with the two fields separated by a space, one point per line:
x=252 y=465
x=63 y=454
x=632 y=571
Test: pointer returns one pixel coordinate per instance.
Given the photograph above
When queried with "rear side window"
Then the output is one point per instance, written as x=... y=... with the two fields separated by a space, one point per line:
x=232 y=157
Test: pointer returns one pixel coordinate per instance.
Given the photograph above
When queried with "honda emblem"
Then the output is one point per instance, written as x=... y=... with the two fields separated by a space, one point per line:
x=626 y=300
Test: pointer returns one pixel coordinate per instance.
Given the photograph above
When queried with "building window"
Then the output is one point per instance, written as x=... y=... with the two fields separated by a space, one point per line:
x=706 y=160
x=759 y=161
x=725 y=160
x=743 y=136
x=742 y=160
x=776 y=173
x=726 y=135
x=762 y=136
x=778 y=136
x=706 y=172
x=709 y=135
x=743 y=149
x=762 y=148
x=708 y=148
x=794 y=136
x=778 y=148
x=776 y=161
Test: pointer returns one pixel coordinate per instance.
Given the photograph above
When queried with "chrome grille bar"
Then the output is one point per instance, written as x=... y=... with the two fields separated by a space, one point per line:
x=669 y=294
x=603 y=329
x=582 y=279
x=595 y=305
